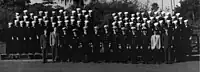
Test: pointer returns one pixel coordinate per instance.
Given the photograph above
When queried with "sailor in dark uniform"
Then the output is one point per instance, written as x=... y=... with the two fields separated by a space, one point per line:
x=96 y=42
x=28 y=38
x=124 y=45
x=114 y=45
x=85 y=42
x=133 y=45
x=145 y=45
x=176 y=41
x=9 y=38
x=106 y=43
x=186 y=39
x=22 y=37
x=75 y=45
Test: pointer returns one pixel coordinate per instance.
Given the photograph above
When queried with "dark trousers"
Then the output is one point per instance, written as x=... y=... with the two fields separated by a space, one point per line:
x=106 y=51
x=157 y=55
x=54 y=53
x=44 y=55
x=167 y=55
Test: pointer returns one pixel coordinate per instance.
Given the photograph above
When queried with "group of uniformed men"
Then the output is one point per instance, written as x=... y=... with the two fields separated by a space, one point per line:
x=143 y=36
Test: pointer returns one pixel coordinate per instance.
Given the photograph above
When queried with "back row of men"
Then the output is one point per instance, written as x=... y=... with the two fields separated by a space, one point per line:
x=155 y=37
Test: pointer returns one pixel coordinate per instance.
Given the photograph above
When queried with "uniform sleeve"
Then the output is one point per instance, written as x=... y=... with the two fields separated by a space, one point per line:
x=50 y=40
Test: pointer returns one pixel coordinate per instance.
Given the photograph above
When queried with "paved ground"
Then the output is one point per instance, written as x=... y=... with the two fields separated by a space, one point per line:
x=37 y=66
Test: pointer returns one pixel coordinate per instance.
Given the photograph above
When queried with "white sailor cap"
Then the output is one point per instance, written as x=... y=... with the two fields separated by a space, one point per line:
x=114 y=27
x=161 y=21
x=175 y=22
x=72 y=17
x=85 y=27
x=78 y=21
x=15 y=21
x=166 y=17
x=149 y=12
x=86 y=16
x=167 y=13
x=35 y=17
x=162 y=12
x=40 y=19
x=78 y=9
x=131 y=23
x=79 y=14
x=125 y=13
x=61 y=11
x=86 y=21
x=168 y=21
x=58 y=16
x=31 y=14
x=66 y=21
x=33 y=22
x=83 y=11
x=72 y=20
x=25 y=17
x=185 y=21
x=119 y=22
x=74 y=30
x=157 y=17
x=115 y=17
x=105 y=26
x=132 y=15
x=59 y=22
x=66 y=17
x=143 y=24
x=148 y=21
x=119 y=13
x=133 y=28
x=138 y=24
x=138 y=13
x=144 y=19
x=180 y=18
x=40 y=12
x=177 y=14
x=46 y=12
x=120 y=18
x=64 y=12
x=21 y=22
x=113 y=14
x=132 y=18
x=151 y=18
x=46 y=21
x=73 y=12
x=96 y=27
x=44 y=17
x=156 y=24
x=53 y=23
x=53 y=12
x=138 y=18
x=126 y=18
x=89 y=11
x=10 y=23
x=114 y=23
x=155 y=13
x=125 y=23
x=173 y=17
x=142 y=13
x=25 y=11
x=27 y=22
x=17 y=14
x=123 y=28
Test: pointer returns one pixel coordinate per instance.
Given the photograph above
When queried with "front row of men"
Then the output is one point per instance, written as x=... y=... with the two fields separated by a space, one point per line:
x=118 y=45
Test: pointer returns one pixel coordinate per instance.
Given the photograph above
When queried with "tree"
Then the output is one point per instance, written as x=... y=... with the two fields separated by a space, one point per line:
x=154 y=7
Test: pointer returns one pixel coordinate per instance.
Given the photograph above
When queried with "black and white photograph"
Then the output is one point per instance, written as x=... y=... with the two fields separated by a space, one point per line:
x=99 y=35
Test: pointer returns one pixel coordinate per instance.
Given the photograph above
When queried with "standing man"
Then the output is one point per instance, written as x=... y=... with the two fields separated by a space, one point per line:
x=44 y=45
x=54 y=43
x=166 y=38
x=155 y=46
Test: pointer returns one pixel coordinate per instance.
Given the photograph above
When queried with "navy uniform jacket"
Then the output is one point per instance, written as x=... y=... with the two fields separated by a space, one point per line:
x=43 y=41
